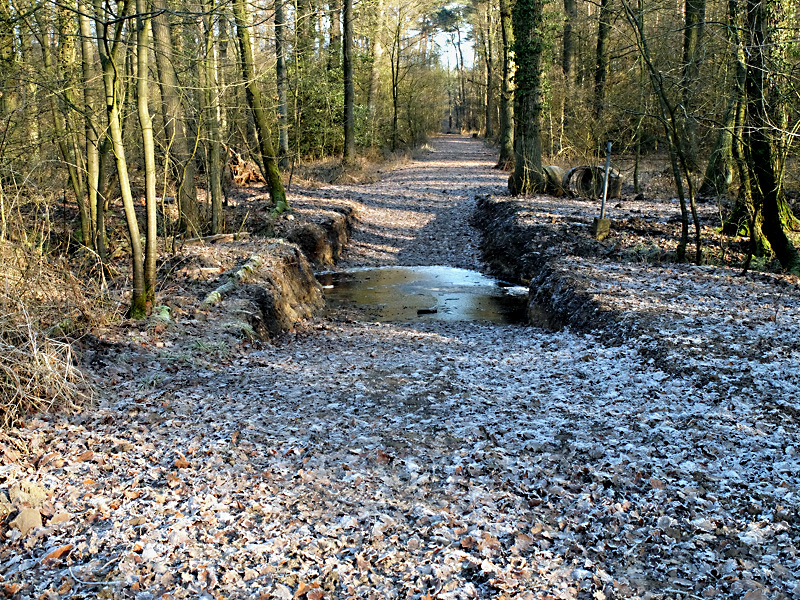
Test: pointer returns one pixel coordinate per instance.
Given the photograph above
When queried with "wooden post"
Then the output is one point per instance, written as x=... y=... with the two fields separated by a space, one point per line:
x=602 y=226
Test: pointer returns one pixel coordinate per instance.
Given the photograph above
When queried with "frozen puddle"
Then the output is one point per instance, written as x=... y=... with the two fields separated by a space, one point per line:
x=400 y=294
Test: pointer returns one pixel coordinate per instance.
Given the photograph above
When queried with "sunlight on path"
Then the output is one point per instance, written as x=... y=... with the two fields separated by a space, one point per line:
x=418 y=214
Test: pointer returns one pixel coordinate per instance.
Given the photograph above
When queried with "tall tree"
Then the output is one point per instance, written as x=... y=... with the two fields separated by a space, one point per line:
x=487 y=47
x=148 y=150
x=349 y=89
x=95 y=199
x=272 y=174
x=335 y=34
x=719 y=170
x=109 y=43
x=7 y=59
x=375 y=64
x=670 y=121
x=212 y=92
x=601 y=57
x=529 y=45
x=181 y=147
x=280 y=75
x=506 y=160
x=569 y=41
x=694 y=27
x=767 y=31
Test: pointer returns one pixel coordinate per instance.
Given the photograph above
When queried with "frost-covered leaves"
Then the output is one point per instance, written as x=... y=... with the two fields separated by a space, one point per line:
x=442 y=460
x=453 y=461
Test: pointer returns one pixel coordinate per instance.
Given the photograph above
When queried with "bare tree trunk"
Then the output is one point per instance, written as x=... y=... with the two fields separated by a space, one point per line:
x=462 y=77
x=335 y=33
x=91 y=133
x=7 y=60
x=349 y=90
x=109 y=58
x=489 y=60
x=395 y=63
x=374 y=73
x=601 y=64
x=148 y=152
x=174 y=121
x=569 y=41
x=212 y=117
x=695 y=16
x=272 y=173
x=280 y=74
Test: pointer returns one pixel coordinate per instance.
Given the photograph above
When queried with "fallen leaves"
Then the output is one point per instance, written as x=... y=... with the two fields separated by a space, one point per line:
x=433 y=461
x=85 y=456
x=56 y=554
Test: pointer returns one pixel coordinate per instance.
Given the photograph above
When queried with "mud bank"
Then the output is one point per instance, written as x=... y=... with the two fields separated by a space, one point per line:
x=276 y=288
x=524 y=247
x=626 y=289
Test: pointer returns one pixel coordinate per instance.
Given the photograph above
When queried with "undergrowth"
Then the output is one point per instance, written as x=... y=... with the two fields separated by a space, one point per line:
x=43 y=306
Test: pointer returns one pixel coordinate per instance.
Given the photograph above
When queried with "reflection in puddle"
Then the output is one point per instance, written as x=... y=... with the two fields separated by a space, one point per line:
x=424 y=293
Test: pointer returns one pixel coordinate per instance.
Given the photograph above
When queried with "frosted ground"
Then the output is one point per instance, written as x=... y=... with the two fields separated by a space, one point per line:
x=436 y=460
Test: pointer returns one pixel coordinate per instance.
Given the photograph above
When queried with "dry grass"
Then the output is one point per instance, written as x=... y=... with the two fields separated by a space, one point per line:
x=37 y=373
x=40 y=302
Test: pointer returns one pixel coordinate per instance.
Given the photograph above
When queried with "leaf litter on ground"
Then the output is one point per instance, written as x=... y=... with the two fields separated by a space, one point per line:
x=437 y=460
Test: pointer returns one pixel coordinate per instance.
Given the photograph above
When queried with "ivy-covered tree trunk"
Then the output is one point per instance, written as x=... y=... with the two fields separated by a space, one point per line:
x=272 y=174
x=766 y=51
x=506 y=160
x=528 y=19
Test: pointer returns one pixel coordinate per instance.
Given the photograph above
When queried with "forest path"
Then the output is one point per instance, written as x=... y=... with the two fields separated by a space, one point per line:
x=448 y=460
x=418 y=213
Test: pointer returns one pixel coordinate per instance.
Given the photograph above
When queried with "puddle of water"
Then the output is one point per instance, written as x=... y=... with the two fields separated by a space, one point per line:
x=424 y=293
